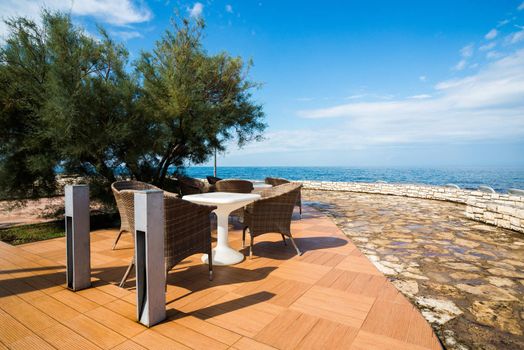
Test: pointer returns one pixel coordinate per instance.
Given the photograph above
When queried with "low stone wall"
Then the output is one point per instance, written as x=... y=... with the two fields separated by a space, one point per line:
x=501 y=210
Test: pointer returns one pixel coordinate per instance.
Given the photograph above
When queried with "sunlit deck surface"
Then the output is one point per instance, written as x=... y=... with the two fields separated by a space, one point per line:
x=330 y=297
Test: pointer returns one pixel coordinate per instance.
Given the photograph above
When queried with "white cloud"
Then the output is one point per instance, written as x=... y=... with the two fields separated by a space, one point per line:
x=127 y=35
x=355 y=96
x=503 y=22
x=493 y=55
x=492 y=34
x=521 y=6
x=229 y=8
x=488 y=105
x=422 y=78
x=467 y=51
x=420 y=97
x=461 y=64
x=196 y=10
x=515 y=37
x=369 y=96
x=116 y=12
x=488 y=46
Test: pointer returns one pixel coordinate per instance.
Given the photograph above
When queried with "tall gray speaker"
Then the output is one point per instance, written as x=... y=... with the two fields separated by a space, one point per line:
x=78 y=269
x=149 y=257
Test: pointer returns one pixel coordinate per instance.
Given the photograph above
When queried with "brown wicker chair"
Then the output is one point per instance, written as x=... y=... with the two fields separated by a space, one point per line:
x=118 y=186
x=272 y=214
x=212 y=179
x=189 y=185
x=275 y=181
x=187 y=229
x=235 y=186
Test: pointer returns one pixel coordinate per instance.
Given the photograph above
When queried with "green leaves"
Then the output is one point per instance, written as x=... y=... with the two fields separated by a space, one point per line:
x=202 y=101
x=69 y=101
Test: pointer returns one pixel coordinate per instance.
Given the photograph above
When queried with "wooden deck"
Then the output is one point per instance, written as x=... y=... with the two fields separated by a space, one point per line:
x=331 y=297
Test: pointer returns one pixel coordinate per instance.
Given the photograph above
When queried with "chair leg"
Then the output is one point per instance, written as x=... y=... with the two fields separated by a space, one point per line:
x=210 y=262
x=251 y=247
x=295 y=245
x=284 y=239
x=117 y=238
x=244 y=237
x=126 y=275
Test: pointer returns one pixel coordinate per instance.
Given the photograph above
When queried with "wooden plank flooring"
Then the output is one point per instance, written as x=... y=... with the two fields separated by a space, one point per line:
x=331 y=297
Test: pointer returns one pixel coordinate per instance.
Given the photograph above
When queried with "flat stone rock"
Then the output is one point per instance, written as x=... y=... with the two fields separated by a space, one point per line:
x=496 y=314
x=466 y=243
x=464 y=275
x=487 y=290
x=500 y=281
x=462 y=266
x=506 y=273
x=409 y=288
x=438 y=311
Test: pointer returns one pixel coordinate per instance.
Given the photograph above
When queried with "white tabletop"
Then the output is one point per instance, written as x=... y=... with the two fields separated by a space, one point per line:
x=217 y=198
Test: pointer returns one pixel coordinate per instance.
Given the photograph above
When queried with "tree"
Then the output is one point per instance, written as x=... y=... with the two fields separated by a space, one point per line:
x=90 y=111
x=72 y=102
x=26 y=165
x=198 y=101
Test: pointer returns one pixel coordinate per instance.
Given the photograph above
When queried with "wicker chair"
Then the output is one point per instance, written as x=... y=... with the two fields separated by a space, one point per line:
x=235 y=186
x=187 y=229
x=118 y=186
x=212 y=179
x=272 y=214
x=275 y=181
x=189 y=185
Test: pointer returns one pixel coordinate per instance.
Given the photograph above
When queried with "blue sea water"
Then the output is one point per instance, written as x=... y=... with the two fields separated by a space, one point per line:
x=501 y=179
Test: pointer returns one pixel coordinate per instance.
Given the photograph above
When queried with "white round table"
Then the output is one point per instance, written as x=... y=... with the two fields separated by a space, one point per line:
x=260 y=185
x=225 y=202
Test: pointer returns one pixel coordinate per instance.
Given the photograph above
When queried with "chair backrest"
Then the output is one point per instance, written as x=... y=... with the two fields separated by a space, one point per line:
x=275 y=181
x=236 y=186
x=189 y=185
x=132 y=185
x=117 y=187
x=275 y=208
x=212 y=179
x=280 y=190
x=185 y=225
x=128 y=199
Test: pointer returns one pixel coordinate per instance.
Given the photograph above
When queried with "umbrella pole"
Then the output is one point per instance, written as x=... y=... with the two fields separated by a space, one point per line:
x=215 y=164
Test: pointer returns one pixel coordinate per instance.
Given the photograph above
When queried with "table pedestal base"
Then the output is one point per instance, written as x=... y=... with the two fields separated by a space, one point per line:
x=224 y=256
x=225 y=202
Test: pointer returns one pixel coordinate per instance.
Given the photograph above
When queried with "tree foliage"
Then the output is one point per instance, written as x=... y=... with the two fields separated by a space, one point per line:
x=74 y=103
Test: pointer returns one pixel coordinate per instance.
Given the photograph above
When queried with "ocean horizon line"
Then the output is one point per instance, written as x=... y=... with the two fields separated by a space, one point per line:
x=499 y=178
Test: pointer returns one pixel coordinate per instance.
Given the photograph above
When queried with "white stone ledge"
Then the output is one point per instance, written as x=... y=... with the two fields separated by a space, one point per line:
x=496 y=209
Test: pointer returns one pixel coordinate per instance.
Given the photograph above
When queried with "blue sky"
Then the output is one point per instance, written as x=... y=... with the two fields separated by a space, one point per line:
x=367 y=83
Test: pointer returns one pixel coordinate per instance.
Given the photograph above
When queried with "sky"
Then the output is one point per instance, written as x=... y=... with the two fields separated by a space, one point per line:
x=353 y=83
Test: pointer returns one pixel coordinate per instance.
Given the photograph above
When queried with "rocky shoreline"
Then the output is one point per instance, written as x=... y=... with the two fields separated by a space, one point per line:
x=498 y=209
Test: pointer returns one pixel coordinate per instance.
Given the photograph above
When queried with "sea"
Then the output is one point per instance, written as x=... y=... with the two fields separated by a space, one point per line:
x=500 y=179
